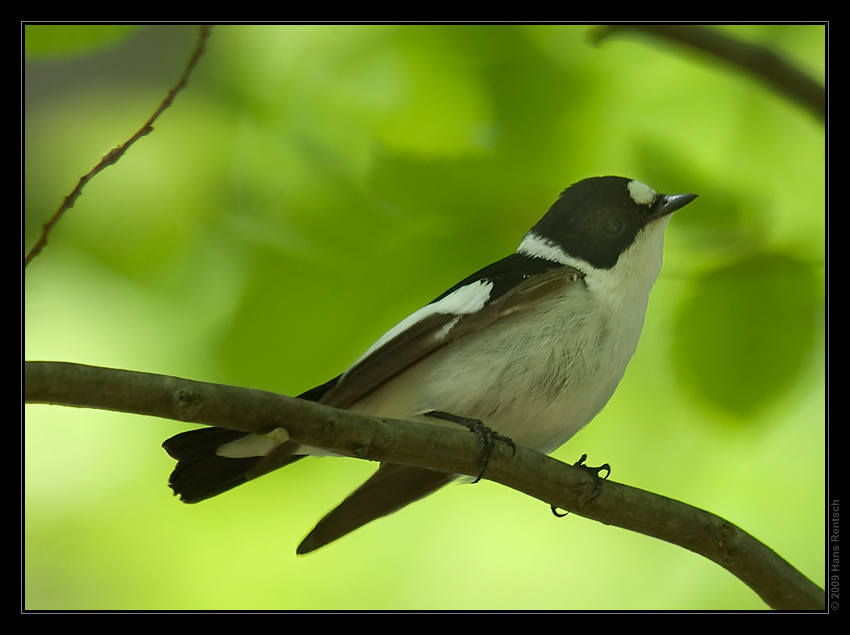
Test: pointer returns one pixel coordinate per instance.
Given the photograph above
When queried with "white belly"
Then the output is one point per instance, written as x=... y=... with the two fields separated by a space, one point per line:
x=538 y=386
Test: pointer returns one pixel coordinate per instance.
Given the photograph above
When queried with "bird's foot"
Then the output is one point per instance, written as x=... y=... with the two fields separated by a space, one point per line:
x=486 y=436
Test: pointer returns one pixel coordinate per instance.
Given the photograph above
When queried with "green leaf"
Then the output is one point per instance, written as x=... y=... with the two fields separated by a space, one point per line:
x=743 y=336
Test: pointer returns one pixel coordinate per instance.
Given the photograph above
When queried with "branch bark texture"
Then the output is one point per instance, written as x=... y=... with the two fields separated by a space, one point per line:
x=547 y=479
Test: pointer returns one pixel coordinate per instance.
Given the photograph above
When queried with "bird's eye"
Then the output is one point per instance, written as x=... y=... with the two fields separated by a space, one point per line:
x=612 y=226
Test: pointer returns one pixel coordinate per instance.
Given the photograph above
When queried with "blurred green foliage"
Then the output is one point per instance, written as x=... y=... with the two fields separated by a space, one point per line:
x=745 y=334
x=316 y=183
x=67 y=40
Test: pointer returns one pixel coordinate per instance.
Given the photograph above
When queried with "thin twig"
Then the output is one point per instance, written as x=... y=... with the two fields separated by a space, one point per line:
x=116 y=153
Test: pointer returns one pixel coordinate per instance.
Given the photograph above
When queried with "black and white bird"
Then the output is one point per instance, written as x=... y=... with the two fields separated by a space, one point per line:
x=533 y=346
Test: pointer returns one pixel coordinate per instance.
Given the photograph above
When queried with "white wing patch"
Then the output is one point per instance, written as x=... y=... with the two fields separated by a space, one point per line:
x=467 y=299
x=444 y=331
x=641 y=194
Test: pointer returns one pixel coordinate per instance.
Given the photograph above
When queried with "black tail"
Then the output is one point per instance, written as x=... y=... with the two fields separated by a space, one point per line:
x=201 y=473
x=387 y=490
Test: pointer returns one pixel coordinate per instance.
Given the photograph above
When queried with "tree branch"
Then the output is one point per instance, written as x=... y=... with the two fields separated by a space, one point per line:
x=116 y=153
x=759 y=61
x=437 y=447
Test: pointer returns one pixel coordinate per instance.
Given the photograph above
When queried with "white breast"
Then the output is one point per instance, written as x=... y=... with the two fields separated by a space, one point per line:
x=538 y=377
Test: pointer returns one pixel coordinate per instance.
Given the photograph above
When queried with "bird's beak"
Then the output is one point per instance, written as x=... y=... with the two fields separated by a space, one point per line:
x=672 y=202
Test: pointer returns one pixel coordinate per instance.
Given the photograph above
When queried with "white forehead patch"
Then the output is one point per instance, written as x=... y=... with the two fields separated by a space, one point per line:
x=641 y=194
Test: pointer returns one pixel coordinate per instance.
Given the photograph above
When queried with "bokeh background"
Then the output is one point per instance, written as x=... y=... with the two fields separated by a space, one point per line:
x=315 y=184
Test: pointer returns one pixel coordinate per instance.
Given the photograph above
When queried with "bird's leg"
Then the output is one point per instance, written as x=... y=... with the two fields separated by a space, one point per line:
x=486 y=436
x=595 y=472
